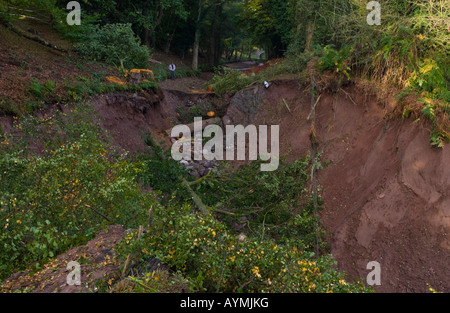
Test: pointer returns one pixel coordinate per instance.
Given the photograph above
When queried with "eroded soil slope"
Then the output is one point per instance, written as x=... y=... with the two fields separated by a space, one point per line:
x=386 y=190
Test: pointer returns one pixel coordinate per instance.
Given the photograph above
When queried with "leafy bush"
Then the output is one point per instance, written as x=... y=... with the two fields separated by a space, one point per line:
x=7 y=106
x=187 y=115
x=115 y=44
x=430 y=77
x=62 y=196
x=41 y=91
x=161 y=172
x=336 y=60
x=230 y=81
x=270 y=201
x=273 y=204
x=202 y=249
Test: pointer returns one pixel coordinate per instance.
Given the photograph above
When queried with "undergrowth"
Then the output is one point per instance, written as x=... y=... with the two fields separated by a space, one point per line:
x=229 y=81
x=213 y=259
x=59 y=191
x=41 y=94
x=64 y=190
x=274 y=256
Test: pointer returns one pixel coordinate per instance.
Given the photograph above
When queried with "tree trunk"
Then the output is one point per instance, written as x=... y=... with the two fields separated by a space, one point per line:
x=149 y=36
x=197 y=38
x=309 y=35
x=169 y=41
x=212 y=46
x=213 y=43
x=195 y=50
x=227 y=54
x=146 y=37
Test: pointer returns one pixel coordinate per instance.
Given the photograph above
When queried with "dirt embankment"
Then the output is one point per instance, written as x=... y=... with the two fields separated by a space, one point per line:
x=386 y=190
x=130 y=117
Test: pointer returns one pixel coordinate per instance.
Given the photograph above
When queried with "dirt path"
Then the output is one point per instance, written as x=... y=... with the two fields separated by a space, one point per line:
x=187 y=84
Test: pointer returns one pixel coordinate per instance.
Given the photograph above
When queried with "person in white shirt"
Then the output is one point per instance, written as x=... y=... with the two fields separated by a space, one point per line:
x=172 y=69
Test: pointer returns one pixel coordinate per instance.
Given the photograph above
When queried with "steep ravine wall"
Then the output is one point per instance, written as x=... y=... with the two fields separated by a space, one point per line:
x=386 y=190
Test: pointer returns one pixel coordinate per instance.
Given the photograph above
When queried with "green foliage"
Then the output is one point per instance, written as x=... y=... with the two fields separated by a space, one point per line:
x=41 y=91
x=8 y=107
x=62 y=196
x=84 y=32
x=291 y=64
x=161 y=72
x=336 y=60
x=226 y=80
x=160 y=171
x=154 y=282
x=186 y=115
x=273 y=204
x=438 y=113
x=270 y=201
x=202 y=249
x=85 y=87
x=438 y=139
x=267 y=22
x=230 y=81
x=432 y=78
x=115 y=44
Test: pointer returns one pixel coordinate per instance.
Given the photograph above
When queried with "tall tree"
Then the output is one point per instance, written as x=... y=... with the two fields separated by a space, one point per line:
x=214 y=35
x=268 y=24
x=197 y=36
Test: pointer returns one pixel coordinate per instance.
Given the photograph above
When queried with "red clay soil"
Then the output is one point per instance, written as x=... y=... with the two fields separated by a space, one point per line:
x=386 y=190
x=130 y=117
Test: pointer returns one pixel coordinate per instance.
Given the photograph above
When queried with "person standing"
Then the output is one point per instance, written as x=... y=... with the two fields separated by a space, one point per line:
x=172 y=69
